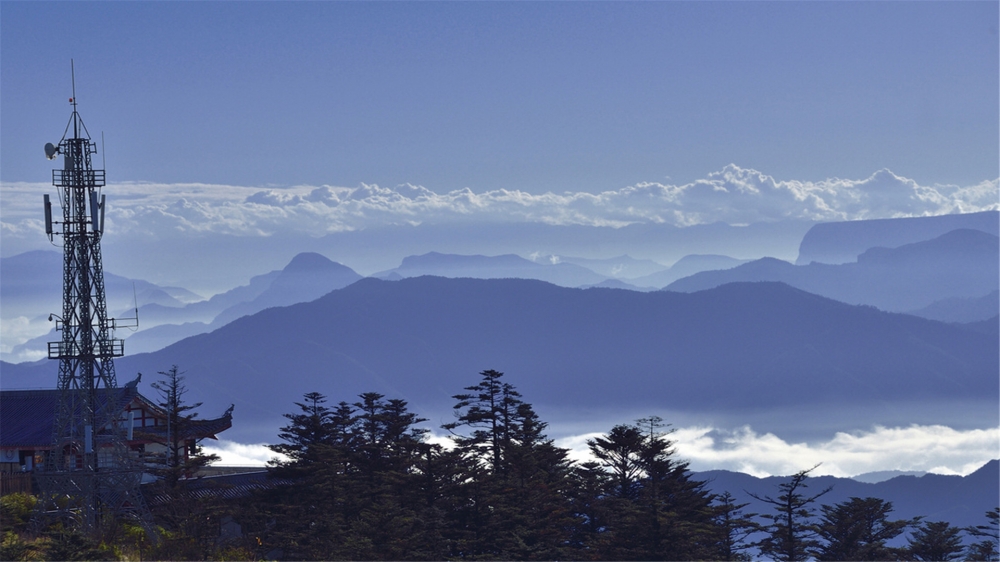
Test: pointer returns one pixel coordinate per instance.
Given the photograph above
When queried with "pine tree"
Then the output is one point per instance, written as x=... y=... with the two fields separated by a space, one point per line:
x=986 y=549
x=734 y=528
x=388 y=452
x=307 y=432
x=620 y=451
x=655 y=511
x=188 y=518
x=936 y=540
x=588 y=492
x=512 y=500
x=308 y=504
x=361 y=484
x=489 y=409
x=790 y=533
x=183 y=456
x=858 y=529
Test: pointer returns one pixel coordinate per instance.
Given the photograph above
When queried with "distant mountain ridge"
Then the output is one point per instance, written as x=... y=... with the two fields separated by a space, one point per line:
x=565 y=272
x=957 y=309
x=842 y=242
x=493 y=267
x=742 y=347
x=883 y=475
x=687 y=266
x=306 y=277
x=935 y=284
x=31 y=289
x=962 y=263
x=32 y=286
x=620 y=267
x=961 y=501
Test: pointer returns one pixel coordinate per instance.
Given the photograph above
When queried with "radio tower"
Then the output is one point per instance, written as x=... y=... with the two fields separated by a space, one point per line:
x=88 y=476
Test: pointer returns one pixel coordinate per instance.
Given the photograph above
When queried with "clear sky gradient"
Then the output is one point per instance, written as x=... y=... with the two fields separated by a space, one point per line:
x=241 y=133
x=540 y=97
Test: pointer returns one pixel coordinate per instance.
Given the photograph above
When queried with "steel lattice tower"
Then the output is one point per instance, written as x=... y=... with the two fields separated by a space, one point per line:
x=88 y=476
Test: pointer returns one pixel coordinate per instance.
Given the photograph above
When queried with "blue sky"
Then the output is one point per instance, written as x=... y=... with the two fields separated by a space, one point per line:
x=257 y=121
x=538 y=97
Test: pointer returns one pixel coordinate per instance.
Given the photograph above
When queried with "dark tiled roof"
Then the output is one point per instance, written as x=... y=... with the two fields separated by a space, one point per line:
x=192 y=429
x=227 y=486
x=27 y=417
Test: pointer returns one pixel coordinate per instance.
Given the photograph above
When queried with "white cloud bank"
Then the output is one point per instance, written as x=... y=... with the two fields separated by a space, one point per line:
x=733 y=195
x=936 y=448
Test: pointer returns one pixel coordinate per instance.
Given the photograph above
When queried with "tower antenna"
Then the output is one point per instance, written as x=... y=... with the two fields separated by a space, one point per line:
x=89 y=476
x=72 y=100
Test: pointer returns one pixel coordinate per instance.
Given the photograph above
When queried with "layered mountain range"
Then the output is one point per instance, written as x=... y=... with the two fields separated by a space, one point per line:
x=949 y=276
x=759 y=341
x=959 y=264
x=740 y=348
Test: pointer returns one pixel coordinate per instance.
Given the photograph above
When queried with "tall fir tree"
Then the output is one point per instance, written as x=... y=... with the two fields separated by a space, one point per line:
x=183 y=456
x=189 y=520
x=655 y=510
x=935 y=540
x=987 y=548
x=620 y=452
x=488 y=409
x=858 y=529
x=734 y=528
x=305 y=434
x=361 y=483
x=791 y=534
x=515 y=499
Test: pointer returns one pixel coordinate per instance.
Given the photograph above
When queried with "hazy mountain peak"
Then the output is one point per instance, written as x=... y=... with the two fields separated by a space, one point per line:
x=317 y=270
x=309 y=262
x=34 y=257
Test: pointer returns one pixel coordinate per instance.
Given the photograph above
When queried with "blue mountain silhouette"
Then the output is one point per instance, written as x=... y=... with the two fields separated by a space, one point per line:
x=961 y=263
x=739 y=348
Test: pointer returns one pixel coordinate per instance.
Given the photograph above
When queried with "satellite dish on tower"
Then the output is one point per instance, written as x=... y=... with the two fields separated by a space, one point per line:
x=51 y=150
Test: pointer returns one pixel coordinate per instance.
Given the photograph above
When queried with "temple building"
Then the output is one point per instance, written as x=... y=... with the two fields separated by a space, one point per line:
x=27 y=418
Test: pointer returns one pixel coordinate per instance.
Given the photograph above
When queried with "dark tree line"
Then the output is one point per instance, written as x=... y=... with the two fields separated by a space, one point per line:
x=362 y=482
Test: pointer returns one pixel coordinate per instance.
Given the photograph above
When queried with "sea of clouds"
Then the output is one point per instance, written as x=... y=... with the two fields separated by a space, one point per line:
x=733 y=195
x=933 y=448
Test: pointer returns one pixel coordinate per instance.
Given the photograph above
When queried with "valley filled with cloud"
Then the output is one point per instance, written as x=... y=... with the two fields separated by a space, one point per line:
x=915 y=448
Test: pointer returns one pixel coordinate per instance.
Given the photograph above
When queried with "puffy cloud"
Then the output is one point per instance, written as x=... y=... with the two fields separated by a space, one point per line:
x=733 y=195
x=935 y=448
